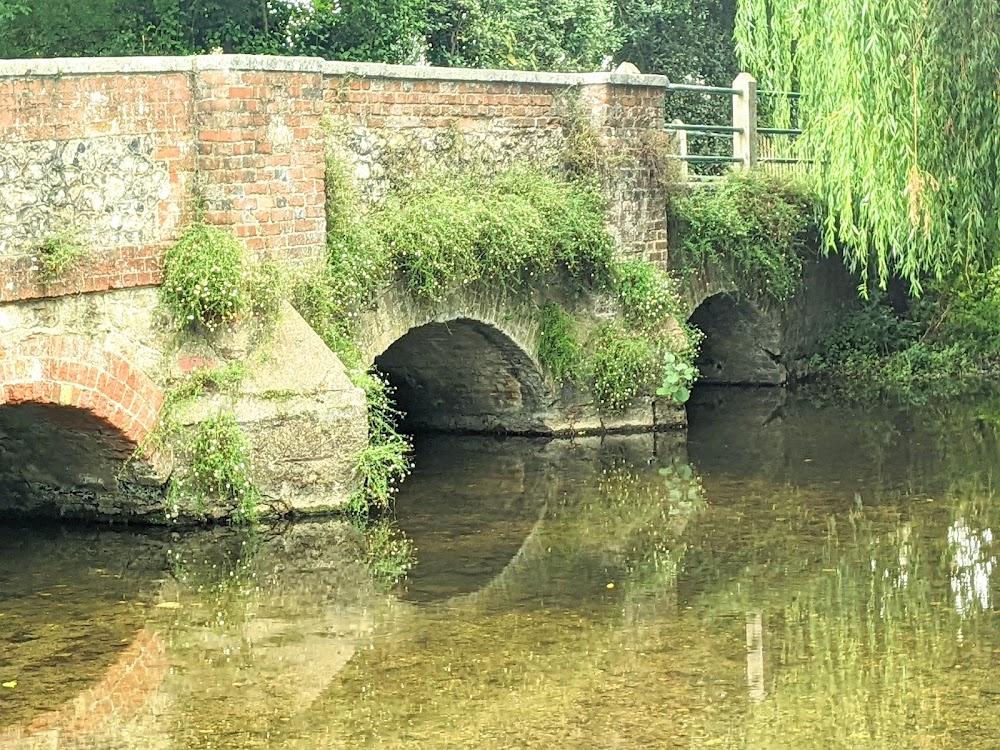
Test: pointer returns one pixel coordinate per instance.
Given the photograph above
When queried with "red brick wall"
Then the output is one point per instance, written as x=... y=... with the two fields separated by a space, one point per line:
x=37 y=108
x=524 y=115
x=630 y=119
x=260 y=158
x=402 y=103
x=245 y=143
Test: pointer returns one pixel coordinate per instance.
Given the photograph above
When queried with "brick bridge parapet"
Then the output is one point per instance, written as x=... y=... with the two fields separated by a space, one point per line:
x=117 y=154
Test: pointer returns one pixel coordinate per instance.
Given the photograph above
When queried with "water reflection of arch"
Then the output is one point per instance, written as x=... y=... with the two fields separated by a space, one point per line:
x=498 y=492
x=563 y=514
x=256 y=585
x=78 y=679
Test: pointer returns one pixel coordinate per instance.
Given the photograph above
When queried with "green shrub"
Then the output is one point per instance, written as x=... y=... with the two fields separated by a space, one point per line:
x=753 y=225
x=205 y=278
x=434 y=240
x=58 y=254
x=965 y=314
x=559 y=347
x=220 y=472
x=942 y=345
x=517 y=226
x=647 y=295
x=385 y=461
x=625 y=365
x=678 y=376
x=572 y=232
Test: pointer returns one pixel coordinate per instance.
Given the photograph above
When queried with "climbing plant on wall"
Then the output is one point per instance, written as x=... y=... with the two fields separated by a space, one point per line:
x=899 y=113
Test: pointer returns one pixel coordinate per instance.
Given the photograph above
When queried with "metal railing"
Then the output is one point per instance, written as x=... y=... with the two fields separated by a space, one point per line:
x=752 y=145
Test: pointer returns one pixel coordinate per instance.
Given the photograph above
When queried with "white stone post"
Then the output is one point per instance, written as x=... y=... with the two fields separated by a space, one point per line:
x=745 y=118
x=682 y=149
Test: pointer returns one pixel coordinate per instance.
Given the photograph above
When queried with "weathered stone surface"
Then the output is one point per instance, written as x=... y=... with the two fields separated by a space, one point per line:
x=74 y=420
x=73 y=408
x=462 y=375
x=125 y=321
x=742 y=342
x=306 y=421
x=118 y=152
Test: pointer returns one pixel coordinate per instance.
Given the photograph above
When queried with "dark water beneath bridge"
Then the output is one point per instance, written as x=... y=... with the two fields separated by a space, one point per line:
x=793 y=576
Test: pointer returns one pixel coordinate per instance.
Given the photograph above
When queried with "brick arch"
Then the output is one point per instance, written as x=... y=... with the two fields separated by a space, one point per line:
x=73 y=371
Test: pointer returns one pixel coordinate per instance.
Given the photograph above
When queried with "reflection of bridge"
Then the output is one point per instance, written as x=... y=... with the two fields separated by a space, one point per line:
x=91 y=719
x=564 y=505
x=297 y=608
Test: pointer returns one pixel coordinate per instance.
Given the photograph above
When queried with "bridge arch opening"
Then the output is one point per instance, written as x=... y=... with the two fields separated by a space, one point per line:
x=72 y=418
x=742 y=343
x=463 y=375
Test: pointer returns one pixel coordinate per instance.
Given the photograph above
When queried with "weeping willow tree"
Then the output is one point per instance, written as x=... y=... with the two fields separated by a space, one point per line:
x=900 y=114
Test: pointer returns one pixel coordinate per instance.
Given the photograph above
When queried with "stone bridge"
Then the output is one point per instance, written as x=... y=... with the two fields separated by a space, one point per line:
x=119 y=156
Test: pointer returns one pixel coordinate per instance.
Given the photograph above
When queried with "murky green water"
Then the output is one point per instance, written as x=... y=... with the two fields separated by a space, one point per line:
x=792 y=577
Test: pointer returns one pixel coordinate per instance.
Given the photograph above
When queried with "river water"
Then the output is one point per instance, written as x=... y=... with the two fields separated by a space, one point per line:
x=790 y=576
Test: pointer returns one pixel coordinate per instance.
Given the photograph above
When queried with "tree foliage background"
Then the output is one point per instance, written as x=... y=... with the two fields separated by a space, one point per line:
x=900 y=119
x=689 y=41
x=530 y=34
x=684 y=39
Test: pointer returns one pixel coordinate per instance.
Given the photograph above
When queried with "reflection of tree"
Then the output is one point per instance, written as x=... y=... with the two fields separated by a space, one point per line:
x=869 y=653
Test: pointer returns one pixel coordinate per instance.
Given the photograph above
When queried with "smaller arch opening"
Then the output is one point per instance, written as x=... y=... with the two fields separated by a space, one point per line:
x=65 y=461
x=464 y=376
x=742 y=343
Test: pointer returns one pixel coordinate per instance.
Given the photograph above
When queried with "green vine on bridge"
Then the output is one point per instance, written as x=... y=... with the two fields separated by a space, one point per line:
x=512 y=230
x=209 y=282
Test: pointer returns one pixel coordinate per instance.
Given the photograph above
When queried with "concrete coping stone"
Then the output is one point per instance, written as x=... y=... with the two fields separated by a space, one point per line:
x=490 y=75
x=70 y=66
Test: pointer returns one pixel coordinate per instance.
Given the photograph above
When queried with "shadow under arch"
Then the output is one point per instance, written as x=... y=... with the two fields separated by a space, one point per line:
x=743 y=342
x=73 y=421
x=464 y=375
